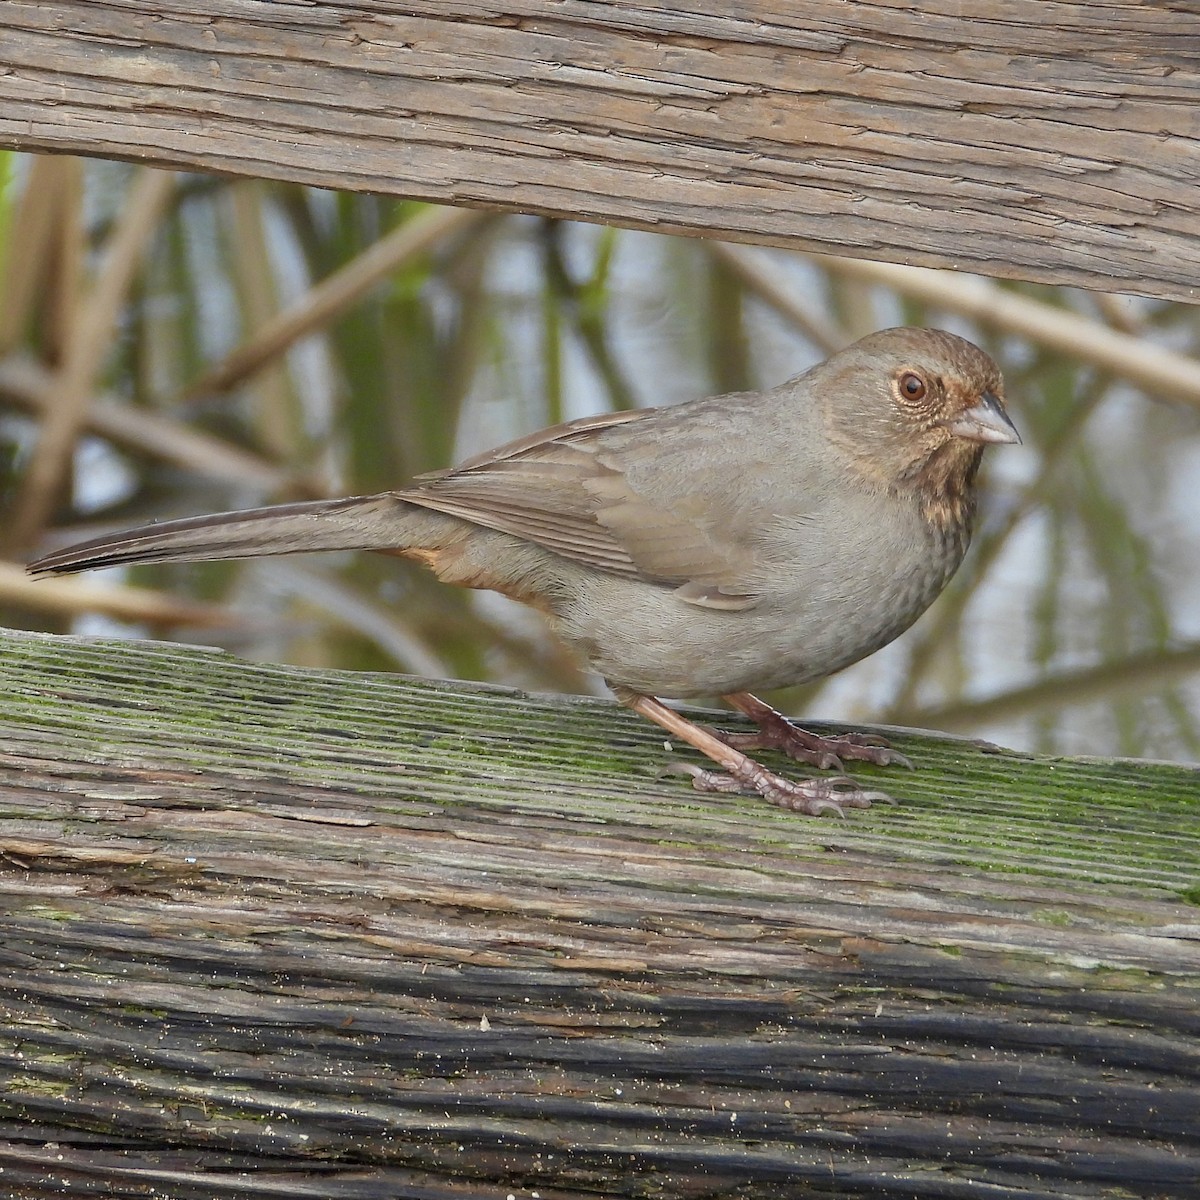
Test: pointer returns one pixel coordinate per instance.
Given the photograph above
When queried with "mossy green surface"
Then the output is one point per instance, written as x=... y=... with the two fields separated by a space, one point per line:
x=418 y=742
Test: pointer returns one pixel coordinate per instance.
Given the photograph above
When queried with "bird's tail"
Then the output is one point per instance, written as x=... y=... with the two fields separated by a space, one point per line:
x=382 y=522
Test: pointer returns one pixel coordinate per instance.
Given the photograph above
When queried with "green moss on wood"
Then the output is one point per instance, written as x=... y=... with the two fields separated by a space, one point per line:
x=419 y=744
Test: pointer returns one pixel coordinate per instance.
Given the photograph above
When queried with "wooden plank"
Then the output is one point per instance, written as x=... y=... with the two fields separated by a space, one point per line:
x=1054 y=140
x=274 y=931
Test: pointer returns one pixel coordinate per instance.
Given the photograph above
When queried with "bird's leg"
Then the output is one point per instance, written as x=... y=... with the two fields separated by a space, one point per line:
x=776 y=732
x=811 y=796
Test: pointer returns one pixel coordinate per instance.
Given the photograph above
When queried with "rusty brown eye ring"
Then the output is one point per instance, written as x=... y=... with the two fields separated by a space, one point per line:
x=912 y=386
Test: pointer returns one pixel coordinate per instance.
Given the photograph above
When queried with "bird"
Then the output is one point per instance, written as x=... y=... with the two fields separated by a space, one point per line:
x=715 y=547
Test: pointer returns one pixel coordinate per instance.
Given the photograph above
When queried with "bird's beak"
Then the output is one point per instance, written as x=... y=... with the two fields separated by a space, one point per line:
x=985 y=422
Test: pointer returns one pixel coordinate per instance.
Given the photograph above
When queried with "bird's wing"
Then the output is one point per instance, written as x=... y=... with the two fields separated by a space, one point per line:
x=567 y=489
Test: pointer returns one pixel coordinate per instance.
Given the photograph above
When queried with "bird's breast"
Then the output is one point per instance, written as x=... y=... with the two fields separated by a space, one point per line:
x=830 y=594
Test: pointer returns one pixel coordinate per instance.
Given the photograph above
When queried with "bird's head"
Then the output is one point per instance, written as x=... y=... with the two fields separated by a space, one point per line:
x=914 y=409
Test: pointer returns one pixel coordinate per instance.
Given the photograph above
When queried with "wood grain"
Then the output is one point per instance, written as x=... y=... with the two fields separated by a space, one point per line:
x=1054 y=140
x=269 y=931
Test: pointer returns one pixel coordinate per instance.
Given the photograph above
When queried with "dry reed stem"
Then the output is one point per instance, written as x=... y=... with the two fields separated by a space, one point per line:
x=327 y=300
x=89 y=341
x=70 y=597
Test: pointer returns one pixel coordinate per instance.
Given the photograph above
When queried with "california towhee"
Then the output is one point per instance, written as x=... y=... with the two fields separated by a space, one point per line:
x=752 y=540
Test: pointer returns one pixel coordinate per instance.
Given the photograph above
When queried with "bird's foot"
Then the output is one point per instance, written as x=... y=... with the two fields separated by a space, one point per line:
x=813 y=797
x=776 y=732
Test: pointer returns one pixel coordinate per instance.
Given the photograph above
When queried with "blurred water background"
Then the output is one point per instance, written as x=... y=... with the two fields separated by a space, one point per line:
x=174 y=344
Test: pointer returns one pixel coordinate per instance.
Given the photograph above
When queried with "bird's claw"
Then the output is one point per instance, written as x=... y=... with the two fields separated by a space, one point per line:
x=824 y=753
x=866 y=747
x=813 y=797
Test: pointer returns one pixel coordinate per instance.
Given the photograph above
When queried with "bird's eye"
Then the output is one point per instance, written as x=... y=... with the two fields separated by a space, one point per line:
x=912 y=386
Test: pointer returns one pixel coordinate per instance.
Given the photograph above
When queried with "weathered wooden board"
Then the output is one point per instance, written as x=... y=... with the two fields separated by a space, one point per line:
x=270 y=931
x=1055 y=140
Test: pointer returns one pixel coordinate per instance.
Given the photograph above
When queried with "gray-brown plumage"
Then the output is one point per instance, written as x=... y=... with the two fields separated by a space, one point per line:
x=738 y=542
